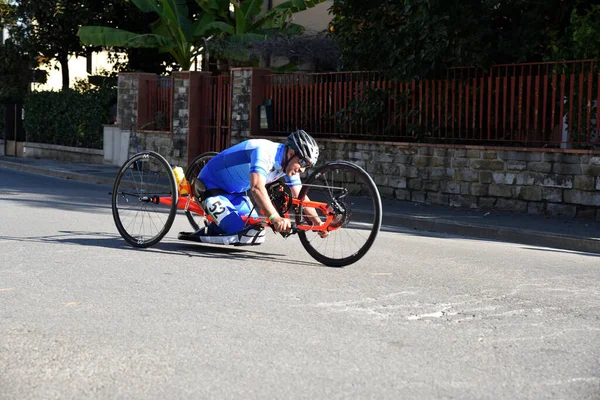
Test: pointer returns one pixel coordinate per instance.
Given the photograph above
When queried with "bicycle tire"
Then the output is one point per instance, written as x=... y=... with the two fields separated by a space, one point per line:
x=362 y=197
x=192 y=171
x=146 y=175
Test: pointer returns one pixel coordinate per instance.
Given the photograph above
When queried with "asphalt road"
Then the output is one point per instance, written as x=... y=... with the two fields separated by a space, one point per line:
x=422 y=316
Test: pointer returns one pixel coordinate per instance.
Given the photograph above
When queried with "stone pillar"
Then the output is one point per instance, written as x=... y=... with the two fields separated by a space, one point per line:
x=246 y=96
x=127 y=100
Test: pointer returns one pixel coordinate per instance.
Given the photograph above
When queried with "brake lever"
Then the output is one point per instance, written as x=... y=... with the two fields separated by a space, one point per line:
x=292 y=231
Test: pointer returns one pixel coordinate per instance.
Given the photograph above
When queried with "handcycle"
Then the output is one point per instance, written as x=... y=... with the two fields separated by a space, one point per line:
x=146 y=197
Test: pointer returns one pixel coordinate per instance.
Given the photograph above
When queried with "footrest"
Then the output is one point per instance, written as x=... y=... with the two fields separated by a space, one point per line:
x=191 y=236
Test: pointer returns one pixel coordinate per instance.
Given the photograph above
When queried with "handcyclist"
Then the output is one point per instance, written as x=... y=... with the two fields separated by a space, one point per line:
x=248 y=167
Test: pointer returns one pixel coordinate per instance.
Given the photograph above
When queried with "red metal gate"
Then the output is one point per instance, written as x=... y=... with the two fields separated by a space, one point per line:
x=211 y=118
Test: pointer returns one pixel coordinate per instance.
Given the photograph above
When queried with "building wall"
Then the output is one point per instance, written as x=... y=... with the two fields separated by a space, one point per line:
x=77 y=70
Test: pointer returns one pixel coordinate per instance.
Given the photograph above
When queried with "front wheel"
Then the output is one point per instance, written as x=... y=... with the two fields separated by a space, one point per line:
x=354 y=199
x=141 y=218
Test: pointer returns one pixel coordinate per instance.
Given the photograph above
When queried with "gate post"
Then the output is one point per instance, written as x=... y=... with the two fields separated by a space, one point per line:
x=246 y=95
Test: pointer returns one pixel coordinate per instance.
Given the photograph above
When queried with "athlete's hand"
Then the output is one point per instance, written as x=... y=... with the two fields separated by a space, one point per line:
x=282 y=224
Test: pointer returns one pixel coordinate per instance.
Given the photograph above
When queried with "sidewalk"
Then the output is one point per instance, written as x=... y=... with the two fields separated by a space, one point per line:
x=560 y=233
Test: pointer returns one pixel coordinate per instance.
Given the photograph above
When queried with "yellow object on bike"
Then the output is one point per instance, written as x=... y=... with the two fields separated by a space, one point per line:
x=182 y=183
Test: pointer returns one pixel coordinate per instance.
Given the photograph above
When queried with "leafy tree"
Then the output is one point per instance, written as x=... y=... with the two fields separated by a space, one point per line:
x=16 y=62
x=415 y=38
x=50 y=28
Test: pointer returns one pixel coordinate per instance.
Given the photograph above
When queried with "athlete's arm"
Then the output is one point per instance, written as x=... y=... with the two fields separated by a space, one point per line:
x=261 y=197
x=312 y=213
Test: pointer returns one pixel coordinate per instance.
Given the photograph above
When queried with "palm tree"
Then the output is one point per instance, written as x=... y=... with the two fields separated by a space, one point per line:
x=173 y=32
x=246 y=23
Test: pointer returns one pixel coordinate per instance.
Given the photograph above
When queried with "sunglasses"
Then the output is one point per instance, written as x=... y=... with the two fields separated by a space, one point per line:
x=304 y=163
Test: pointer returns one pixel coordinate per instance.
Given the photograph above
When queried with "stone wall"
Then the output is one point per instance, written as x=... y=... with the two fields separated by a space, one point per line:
x=241 y=80
x=537 y=181
x=127 y=101
x=173 y=145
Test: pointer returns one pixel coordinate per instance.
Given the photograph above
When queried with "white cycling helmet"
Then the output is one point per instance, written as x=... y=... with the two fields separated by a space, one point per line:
x=304 y=145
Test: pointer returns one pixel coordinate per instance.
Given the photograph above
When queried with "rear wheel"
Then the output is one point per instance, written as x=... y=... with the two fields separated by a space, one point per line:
x=192 y=171
x=139 y=216
x=354 y=200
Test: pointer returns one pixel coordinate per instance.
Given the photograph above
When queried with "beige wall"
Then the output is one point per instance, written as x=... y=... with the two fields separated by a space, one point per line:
x=314 y=19
x=77 y=70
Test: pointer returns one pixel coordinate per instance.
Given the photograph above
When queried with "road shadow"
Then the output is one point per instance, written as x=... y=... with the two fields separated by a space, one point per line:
x=200 y=250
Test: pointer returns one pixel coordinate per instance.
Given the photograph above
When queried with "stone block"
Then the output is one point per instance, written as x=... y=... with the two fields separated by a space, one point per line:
x=513 y=165
x=471 y=153
x=511 y=205
x=431 y=186
x=489 y=155
x=598 y=183
x=552 y=195
x=595 y=161
x=490 y=165
x=403 y=159
x=418 y=197
x=465 y=189
x=468 y=175
x=521 y=155
x=584 y=182
x=529 y=193
x=425 y=151
x=437 y=198
x=381 y=180
x=503 y=178
x=582 y=197
x=552 y=157
x=402 y=194
x=415 y=184
x=586 y=212
x=536 y=208
x=558 y=181
x=422 y=161
x=478 y=189
x=497 y=190
x=412 y=172
x=539 y=167
x=485 y=177
x=591 y=170
x=460 y=153
x=450 y=187
x=438 y=173
x=526 y=178
x=463 y=201
x=397 y=182
x=386 y=192
x=487 y=202
x=566 y=169
x=460 y=162
x=381 y=157
x=440 y=162
x=561 y=210
x=440 y=152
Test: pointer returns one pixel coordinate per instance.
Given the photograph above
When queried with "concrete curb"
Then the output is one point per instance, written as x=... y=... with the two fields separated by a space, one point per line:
x=499 y=233
x=57 y=173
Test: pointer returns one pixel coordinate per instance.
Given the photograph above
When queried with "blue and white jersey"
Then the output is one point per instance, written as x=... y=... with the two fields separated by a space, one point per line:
x=230 y=170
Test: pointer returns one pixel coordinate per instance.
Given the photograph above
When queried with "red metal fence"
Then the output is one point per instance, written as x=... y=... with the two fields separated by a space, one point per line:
x=542 y=104
x=214 y=112
x=156 y=104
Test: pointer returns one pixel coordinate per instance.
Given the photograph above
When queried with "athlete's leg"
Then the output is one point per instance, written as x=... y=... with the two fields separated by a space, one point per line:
x=230 y=212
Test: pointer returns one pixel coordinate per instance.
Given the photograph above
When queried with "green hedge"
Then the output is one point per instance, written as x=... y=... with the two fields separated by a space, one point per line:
x=69 y=117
